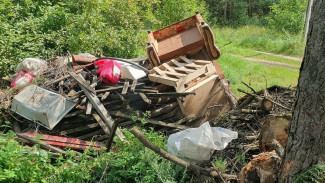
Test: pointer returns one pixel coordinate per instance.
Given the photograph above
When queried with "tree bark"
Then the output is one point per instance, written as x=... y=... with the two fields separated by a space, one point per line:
x=306 y=143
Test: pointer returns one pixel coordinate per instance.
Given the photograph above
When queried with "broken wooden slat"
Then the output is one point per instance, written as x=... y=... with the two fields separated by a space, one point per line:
x=125 y=87
x=151 y=121
x=145 y=98
x=81 y=81
x=79 y=129
x=111 y=137
x=91 y=134
x=101 y=110
x=134 y=84
x=101 y=123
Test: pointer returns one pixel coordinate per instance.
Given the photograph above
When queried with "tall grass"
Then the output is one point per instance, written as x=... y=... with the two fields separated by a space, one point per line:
x=258 y=75
x=260 y=38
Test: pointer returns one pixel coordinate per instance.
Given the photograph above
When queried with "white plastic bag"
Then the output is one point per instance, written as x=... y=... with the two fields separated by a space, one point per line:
x=198 y=144
x=33 y=65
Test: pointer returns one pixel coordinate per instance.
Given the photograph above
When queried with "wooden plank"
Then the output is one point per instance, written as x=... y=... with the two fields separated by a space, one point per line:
x=134 y=84
x=101 y=123
x=168 y=67
x=79 y=129
x=202 y=62
x=81 y=81
x=179 y=75
x=145 y=98
x=101 y=110
x=184 y=70
x=158 y=71
x=105 y=96
x=177 y=63
x=186 y=60
x=125 y=87
x=97 y=132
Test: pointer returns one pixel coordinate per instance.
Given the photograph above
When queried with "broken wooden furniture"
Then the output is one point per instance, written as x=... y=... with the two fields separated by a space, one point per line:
x=186 y=37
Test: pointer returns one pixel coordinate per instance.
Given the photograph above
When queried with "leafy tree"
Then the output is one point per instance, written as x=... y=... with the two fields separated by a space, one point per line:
x=287 y=15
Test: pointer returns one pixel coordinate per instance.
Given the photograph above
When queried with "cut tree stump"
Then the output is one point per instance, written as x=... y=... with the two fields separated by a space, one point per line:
x=264 y=169
x=274 y=127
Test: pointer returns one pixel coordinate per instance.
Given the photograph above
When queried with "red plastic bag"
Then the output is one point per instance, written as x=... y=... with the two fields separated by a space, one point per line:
x=23 y=77
x=109 y=70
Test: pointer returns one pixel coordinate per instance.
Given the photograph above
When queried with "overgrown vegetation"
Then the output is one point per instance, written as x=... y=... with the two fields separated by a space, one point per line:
x=315 y=174
x=126 y=163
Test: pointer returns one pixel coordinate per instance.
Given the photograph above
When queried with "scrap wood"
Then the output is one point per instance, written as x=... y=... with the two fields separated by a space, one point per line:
x=195 y=168
x=63 y=141
x=111 y=137
x=42 y=144
x=81 y=81
x=151 y=121
x=79 y=129
x=99 y=107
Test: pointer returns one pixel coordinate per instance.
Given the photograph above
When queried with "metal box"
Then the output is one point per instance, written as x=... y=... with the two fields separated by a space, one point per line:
x=42 y=106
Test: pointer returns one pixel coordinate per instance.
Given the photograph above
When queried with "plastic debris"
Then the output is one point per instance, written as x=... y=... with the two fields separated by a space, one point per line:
x=109 y=70
x=198 y=144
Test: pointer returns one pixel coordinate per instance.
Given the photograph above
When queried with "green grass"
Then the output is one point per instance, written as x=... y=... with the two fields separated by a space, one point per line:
x=258 y=75
x=259 y=38
x=252 y=54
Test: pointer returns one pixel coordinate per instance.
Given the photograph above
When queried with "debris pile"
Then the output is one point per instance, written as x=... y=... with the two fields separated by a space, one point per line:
x=262 y=120
x=81 y=101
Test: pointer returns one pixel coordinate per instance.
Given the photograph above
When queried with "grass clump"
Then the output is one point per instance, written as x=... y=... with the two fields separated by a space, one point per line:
x=316 y=174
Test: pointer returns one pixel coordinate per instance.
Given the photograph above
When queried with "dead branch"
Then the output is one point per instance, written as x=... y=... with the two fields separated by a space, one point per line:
x=197 y=169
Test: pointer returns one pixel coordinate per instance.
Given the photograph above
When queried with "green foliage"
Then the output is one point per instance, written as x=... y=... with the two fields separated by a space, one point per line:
x=135 y=163
x=236 y=13
x=127 y=163
x=171 y=11
x=241 y=158
x=315 y=174
x=220 y=164
x=288 y=16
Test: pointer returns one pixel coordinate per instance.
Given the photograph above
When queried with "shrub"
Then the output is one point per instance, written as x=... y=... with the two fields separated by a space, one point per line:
x=288 y=16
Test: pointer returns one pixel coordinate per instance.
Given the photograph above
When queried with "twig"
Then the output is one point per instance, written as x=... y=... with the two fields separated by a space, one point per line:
x=249 y=87
x=256 y=96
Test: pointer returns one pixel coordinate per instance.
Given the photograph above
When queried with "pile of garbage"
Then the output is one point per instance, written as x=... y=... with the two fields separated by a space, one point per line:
x=81 y=101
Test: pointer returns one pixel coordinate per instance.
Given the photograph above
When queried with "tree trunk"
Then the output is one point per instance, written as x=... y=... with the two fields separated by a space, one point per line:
x=306 y=143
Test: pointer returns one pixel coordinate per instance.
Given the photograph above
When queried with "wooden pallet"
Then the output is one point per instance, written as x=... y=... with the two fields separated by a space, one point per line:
x=181 y=73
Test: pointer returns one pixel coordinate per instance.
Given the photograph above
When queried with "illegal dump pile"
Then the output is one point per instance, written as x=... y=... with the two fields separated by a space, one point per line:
x=80 y=101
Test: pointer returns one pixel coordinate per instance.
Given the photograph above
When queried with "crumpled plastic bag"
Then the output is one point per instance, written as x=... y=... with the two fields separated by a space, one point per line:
x=32 y=65
x=198 y=144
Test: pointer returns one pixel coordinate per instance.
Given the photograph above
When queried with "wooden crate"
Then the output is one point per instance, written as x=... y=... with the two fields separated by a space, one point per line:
x=181 y=73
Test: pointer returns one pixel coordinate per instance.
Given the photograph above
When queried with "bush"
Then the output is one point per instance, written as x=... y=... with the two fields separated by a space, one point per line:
x=288 y=16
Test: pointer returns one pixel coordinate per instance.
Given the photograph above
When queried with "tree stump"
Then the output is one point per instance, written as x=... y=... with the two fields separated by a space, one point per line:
x=274 y=127
x=264 y=169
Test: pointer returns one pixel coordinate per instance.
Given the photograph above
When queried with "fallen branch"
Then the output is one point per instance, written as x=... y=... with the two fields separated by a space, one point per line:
x=197 y=169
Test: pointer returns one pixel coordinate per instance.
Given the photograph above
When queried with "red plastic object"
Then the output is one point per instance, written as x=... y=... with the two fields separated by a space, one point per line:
x=72 y=143
x=109 y=70
x=23 y=77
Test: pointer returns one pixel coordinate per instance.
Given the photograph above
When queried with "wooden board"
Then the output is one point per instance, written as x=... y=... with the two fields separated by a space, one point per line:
x=180 y=73
x=210 y=99
x=180 y=44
